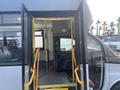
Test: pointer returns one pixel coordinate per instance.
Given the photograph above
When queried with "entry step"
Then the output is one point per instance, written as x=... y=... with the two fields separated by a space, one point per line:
x=57 y=86
x=58 y=89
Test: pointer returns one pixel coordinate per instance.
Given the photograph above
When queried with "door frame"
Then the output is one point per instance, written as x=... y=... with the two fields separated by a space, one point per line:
x=27 y=59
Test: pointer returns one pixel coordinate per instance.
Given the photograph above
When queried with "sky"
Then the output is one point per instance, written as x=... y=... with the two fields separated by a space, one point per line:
x=104 y=10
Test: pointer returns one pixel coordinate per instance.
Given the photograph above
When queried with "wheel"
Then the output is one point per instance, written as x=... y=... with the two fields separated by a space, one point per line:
x=116 y=86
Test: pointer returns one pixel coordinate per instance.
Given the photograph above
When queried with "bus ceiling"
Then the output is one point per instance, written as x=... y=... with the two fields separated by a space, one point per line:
x=60 y=26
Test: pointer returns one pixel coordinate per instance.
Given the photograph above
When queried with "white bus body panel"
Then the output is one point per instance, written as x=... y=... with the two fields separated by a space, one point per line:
x=27 y=75
x=11 y=78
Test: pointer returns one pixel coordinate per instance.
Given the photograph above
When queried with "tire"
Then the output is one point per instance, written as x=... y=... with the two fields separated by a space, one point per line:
x=116 y=86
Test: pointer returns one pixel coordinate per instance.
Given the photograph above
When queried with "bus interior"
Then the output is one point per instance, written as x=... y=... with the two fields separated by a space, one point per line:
x=55 y=38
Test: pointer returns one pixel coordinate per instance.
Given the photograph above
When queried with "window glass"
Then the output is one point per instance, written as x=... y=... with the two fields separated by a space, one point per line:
x=11 y=18
x=95 y=54
x=1 y=41
x=113 y=38
x=65 y=44
x=10 y=44
x=93 y=45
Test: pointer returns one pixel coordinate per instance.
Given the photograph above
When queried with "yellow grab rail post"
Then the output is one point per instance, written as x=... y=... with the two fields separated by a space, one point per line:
x=46 y=45
x=33 y=70
x=77 y=77
x=73 y=59
x=30 y=81
x=33 y=34
x=54 y=19
x=37 y=70
x=33 y=43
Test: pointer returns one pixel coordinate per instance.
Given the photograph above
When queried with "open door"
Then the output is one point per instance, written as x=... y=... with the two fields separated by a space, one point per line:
x=26 y=46
x=83 y=21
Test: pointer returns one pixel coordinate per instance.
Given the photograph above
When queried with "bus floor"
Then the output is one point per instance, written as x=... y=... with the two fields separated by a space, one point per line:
x=54 y=80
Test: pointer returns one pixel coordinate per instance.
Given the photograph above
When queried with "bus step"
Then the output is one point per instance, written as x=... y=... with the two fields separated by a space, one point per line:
x=57 y=86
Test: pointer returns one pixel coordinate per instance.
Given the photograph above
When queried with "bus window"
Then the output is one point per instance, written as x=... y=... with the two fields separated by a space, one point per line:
x=11 y=18
x=10 y=44
x=65 y=44
x=95 y=53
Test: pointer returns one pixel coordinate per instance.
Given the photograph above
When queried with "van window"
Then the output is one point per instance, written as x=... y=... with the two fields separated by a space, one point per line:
x=95 y=53
x=112 y=38
x=93 y=45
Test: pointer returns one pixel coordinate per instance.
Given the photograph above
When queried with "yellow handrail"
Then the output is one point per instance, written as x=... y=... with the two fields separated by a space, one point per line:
x=33 y=34
x=77 y=77
x=73 y=57
x=33 y=70
x=37 y=71
x=46 y=45
x=54 y=19
x=31 y=79
x=36 y=57
x=35 y=66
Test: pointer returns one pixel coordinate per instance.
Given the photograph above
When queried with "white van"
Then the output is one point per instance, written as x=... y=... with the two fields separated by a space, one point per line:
x=103 y=65
x=113 y=41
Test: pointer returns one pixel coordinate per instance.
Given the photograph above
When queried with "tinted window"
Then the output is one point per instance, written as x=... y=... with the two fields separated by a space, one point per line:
x=115 y=38
x=11 y=18
x=93 y=45
x=96 y=60
x=10 y=44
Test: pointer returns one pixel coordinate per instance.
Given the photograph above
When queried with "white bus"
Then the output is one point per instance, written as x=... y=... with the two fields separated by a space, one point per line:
x=48 y=47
